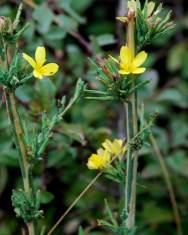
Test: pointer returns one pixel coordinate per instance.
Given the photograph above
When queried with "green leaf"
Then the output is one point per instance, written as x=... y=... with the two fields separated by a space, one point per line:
x=55 y=34
x=81 y=231
x=154 y=214
x=106 y=39
x=67 y=23
x=178 y=163
x=44 y=17
x=66 y=5
x=9 y=157
x=81 y=6
x=175 y=57
x=46 y=197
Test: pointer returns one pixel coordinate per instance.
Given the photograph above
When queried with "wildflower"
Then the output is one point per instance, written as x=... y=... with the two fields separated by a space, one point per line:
x=41 y=70
x=130 y=64
x=99 y=161
x=116 y=147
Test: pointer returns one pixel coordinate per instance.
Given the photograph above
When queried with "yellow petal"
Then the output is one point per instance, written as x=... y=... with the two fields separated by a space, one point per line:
x=40 y=56
x=138 y=70
x=139 y=59
x=124 y=72
x=37 y=74
x=125 y=55
x=49 y=69
x=29 y=60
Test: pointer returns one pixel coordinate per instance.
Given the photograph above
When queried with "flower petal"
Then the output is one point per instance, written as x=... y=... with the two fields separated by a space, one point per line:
x=139 y=59
x=40 y=56
x=123 y=72
x=138 y=70
x=37 y=74
x=49 y=69
x=29 y=60
x=125 y=55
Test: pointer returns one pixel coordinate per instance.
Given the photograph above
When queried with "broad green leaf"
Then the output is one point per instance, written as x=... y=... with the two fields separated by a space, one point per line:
x=66 y=22
x=106 y=39
x=46 y=197
x=160 y=214
x=55 y=33
x=175 y=57
x=178 y=162
x=44 y=17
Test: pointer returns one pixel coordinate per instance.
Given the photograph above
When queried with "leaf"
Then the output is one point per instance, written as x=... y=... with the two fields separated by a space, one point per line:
x=171 y=95
x=106 y=39
x=178 y=162
x=55 y=33
x=46 y=197
x=66 y=5
x=81 y=6
x=175 y=57
x=154 y=214
x=74 y=131
x=81 y=231
x=9 y=157
x=44 y=17
x=67 y=23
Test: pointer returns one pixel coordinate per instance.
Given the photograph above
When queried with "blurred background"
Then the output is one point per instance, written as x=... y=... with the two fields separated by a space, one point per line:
x=72 y=31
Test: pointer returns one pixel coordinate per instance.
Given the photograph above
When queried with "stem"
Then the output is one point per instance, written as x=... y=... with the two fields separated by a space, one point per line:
x=127 y=146
x=19 y=139
x=74 y=202
x=132 y=129
x=18 y=132
x=168 y=184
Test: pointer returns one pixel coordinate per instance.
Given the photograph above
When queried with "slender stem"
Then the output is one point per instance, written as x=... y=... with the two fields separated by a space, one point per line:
x=127 y=147
x=18 y=133
x=74 y=202
x=168 y=184
x=132 y=129
x=19 y=138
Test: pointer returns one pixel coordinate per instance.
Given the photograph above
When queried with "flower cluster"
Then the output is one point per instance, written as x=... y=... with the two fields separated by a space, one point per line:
x=104 y=156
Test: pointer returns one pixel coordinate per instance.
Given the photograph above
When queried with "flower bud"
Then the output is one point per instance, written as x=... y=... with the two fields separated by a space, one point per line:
x=2 y=23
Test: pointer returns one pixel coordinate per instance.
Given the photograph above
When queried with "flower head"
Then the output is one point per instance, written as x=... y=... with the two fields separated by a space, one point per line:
x=130 y=64
x=40 y=68
x=99 y=161
x=114 y=147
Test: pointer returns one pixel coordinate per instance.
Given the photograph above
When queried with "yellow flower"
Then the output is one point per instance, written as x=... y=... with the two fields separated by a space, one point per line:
x=41 y=70
x=99 y=161
x=116 y=147
x=130 y=64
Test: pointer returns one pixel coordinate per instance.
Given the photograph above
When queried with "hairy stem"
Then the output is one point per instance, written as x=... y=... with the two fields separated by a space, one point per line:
x=132 y=129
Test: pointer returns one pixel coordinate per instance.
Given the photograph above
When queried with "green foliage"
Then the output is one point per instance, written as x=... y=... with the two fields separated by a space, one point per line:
x=116 y=227
x=150 y=23
x=25 y=207
x=89 y=123
x=15 y=76
x=115 y=87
